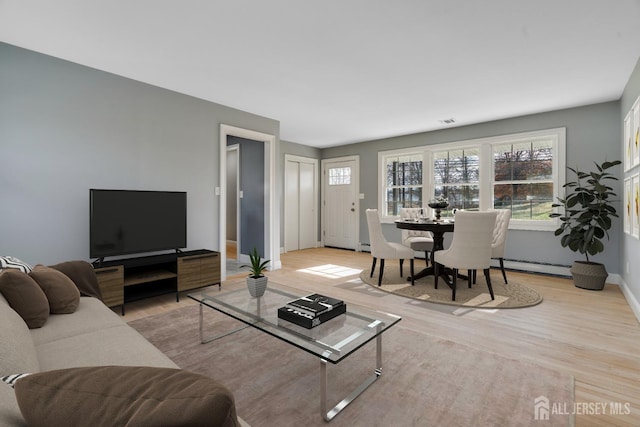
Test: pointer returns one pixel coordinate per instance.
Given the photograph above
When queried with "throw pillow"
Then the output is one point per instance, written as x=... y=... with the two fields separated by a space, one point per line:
x=25 y=296
x=11 y=379
x=83 y=275
x=62 y=293
x=124 y=395
x=12 y=262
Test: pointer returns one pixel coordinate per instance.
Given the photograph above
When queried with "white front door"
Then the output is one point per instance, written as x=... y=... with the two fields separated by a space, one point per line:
x=341 y=203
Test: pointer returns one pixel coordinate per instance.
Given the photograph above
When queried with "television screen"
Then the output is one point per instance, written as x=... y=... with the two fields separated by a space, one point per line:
x=125 y=222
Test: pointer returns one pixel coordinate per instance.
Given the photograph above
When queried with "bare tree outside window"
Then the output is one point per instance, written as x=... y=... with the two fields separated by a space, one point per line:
x=523 y=179
x=456 y=178
x=403 y=183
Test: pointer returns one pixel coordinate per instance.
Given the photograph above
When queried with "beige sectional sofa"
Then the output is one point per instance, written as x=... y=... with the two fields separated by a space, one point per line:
x=91 y=336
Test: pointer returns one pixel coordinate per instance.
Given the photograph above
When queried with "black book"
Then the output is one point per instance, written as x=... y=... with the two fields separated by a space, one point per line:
x=325 y=300
x=315 y=304
x=306 y=320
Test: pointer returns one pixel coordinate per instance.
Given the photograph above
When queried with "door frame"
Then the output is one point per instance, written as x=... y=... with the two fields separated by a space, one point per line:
x=300 y=159
x=271 y=216
x=356 y=177
x=235 y=148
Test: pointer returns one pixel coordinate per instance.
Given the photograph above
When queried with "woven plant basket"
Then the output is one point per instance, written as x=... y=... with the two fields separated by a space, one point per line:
x=589 y=275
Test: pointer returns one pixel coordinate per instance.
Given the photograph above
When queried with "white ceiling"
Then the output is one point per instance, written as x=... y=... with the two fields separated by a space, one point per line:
x=340 y=71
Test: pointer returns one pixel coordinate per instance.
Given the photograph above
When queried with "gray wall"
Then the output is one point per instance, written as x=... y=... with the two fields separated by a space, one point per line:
x=252 y=185
x=593 y=133
x=630 y=246
x=65 y=128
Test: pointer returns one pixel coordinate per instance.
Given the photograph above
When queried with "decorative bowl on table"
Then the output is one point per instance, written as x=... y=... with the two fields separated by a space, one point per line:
x=438 y=204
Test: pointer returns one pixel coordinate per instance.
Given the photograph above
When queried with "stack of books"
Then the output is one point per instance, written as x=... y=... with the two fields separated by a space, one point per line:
x=312 y=310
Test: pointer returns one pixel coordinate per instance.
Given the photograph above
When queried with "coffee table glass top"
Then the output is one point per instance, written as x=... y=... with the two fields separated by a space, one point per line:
x=333 y=340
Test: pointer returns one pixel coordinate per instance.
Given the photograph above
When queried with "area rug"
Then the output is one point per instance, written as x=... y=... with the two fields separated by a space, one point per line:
x=512 y=295
x=426 y=381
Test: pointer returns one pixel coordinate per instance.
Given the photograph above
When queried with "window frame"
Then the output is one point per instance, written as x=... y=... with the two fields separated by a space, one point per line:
x=382 y=176
x=486 y=170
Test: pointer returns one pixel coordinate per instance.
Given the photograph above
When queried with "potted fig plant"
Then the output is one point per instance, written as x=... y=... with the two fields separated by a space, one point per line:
x=256 y=281
x=586 y=220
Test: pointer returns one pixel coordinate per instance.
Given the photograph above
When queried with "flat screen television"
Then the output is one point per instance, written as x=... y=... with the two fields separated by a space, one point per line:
x=126 y=221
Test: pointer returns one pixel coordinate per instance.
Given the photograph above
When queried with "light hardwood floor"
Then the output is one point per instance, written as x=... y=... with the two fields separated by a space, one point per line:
x=591 y=335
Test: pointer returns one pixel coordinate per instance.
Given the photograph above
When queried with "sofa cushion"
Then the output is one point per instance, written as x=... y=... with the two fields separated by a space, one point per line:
x=61 y=292
x=13 y=262
x=91 y=315
x=17 y=351
x=117 y=345
x=131 y=396
x=25 y=297
x=83 y=275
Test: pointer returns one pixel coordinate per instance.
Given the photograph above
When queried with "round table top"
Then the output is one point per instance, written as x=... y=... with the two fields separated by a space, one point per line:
x=444 y=225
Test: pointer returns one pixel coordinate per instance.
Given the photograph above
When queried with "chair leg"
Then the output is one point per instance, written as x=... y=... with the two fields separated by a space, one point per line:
x=373 y=266
x=470 y=276
x=381 y=271
x=455 y=281
x=436 y=273
x=401 y=262
x=411 y=267
x=488 y=277
x=504 y=273
x=426 y=258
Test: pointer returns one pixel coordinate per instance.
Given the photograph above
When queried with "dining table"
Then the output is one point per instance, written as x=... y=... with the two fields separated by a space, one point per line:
x=437 y=228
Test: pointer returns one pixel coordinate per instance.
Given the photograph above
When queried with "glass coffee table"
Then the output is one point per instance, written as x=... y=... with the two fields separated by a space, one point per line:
x=332 y=341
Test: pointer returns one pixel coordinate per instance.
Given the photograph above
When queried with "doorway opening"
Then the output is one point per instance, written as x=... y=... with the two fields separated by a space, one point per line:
x=261 y=208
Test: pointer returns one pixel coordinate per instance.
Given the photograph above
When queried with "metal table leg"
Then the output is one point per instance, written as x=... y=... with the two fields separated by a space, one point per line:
x=204 y=340
x=329 y=415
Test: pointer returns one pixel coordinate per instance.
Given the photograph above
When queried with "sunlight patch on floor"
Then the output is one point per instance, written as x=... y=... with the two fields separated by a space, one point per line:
x=396 y=287
x=331 y=271
x=484 y=300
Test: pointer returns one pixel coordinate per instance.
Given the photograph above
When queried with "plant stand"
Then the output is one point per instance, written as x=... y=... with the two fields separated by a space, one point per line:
x=589 y=275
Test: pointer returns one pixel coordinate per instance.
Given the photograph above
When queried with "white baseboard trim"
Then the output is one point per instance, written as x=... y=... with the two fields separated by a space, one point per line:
x=532 y=267
x=631 y=299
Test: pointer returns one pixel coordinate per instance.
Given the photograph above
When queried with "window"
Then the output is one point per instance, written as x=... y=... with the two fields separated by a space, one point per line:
x=340 y=176
x=522 y=172
x=456 y=177
x=402 y=183
x=523 y=178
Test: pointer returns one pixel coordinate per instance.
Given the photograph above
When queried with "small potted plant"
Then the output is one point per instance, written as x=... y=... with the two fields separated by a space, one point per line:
x=588 y=211
x=256 y=281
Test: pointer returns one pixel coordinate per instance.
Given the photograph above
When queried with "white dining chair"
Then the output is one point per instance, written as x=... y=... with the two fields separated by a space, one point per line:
x=500 y=238
x=470 y=248
x=421 y=241
x=381 y=248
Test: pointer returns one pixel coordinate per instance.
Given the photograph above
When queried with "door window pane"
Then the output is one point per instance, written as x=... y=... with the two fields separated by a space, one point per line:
x=340 y=176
